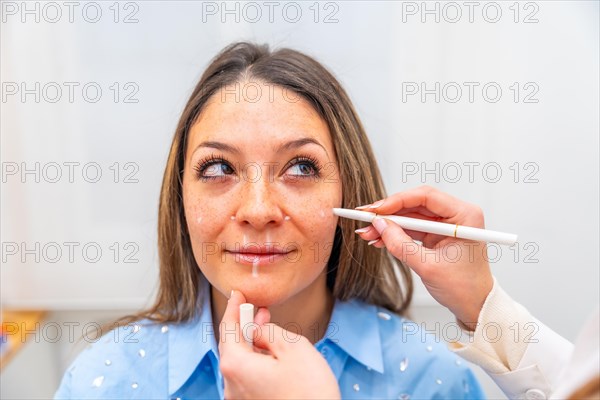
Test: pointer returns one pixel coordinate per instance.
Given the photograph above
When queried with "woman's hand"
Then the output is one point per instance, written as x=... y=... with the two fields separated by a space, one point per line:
x=455 y=271
x=275 y=368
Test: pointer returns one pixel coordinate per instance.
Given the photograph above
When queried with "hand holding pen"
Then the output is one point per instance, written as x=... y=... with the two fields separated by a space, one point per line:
x=455 y=271
x=258 y=361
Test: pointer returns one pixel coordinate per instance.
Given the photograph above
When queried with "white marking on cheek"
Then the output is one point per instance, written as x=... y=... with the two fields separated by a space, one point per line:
x=322 y=213
x=287 y=218
x=232 y=218
x=199 y=219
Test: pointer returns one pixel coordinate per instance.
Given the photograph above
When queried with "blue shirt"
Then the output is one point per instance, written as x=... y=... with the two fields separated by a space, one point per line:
x=372 y=352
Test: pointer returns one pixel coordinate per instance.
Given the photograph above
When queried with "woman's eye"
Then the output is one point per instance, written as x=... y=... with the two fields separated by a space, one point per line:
x=303 y=168
x=214 y=169
x=217 y=168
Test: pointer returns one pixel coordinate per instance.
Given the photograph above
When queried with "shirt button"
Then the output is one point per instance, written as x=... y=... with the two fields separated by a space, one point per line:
x=535 y=394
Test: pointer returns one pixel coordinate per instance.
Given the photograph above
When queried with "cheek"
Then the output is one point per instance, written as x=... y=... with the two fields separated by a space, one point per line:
x=316 y=215
x=204 y=216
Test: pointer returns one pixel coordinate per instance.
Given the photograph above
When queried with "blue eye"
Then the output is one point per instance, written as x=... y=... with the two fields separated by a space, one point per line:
x=217 y=169
x=305 y=167
x=212 y=168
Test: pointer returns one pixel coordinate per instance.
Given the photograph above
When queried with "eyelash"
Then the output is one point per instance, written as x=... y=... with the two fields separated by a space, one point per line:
x=213 y=159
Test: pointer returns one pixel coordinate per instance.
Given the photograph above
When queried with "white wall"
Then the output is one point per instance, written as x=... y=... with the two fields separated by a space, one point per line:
x=377 y=50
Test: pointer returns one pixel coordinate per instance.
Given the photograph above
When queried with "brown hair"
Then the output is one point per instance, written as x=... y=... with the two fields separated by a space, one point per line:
x=354 y=269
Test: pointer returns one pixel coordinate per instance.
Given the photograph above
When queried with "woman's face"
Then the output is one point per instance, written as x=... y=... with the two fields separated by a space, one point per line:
x=259 y=183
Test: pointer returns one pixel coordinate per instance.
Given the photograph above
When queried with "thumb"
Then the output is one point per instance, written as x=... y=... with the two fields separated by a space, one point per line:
x=400 y=244
x=229 y=328
x=232 y=311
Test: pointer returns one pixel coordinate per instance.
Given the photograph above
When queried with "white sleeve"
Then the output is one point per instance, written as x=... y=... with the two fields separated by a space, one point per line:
x=522 y=355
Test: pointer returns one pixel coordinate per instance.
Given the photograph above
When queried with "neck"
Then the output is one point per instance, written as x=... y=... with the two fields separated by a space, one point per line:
x=306 y=313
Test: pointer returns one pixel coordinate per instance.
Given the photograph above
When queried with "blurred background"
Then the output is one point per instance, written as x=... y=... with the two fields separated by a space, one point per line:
x=496 y=103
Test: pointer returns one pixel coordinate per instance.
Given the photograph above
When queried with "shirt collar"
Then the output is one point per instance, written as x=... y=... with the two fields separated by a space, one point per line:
x=353 y=322
x=190 y=342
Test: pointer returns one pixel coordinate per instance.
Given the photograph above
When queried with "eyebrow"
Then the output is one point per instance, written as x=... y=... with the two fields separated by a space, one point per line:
x=293 y=144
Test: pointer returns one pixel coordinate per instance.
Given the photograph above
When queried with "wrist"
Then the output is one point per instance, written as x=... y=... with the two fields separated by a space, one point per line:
x=467 y=326
x=469 y=317
x=468 y=321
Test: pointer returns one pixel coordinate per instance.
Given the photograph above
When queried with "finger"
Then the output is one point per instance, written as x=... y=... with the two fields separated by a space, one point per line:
x=263 y=316
x=401 y=246
x=369 y=233
x=415 y=235
x=229 y=328
x=435 y=201
x=242 y=366
x=431 y=240
x=416 y=215
x=377 y=243
x=232 y=311
x=420 y=211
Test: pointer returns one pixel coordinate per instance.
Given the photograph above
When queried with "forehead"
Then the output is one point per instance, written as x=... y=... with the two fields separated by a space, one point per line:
x=254 y=112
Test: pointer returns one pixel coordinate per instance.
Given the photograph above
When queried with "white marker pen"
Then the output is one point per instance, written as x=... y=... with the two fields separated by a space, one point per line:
x=247 y=318
x=439 y=228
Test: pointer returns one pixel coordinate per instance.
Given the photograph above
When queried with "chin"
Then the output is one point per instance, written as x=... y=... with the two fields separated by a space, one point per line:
x=263 y=297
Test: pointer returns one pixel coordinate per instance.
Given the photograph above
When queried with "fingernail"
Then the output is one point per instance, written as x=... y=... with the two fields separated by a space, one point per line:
x=363 y=230
x=376 y=204
x=361 y=207
x=373 y=241
x=380 y=224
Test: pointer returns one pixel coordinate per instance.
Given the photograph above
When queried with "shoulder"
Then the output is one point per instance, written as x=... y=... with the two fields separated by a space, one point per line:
x=127 y=362
x=421 y=358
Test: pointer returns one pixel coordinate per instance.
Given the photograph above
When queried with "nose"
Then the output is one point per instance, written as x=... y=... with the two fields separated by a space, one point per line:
x=259 y=204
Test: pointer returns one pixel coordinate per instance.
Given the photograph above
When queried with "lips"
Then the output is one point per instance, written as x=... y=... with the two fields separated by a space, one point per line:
x=260 y=254
x=255 y=249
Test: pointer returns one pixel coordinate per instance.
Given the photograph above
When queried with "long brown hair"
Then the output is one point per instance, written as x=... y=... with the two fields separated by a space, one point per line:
x=354 y=269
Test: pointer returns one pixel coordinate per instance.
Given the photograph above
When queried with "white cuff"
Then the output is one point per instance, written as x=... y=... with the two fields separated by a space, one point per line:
x=503 y=331
x=523 y=356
